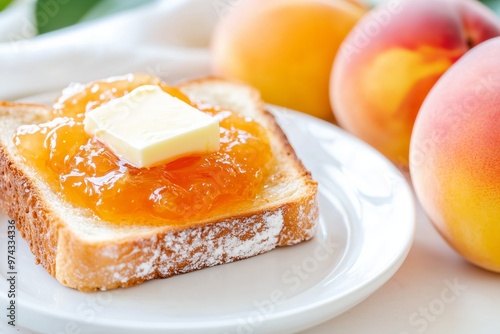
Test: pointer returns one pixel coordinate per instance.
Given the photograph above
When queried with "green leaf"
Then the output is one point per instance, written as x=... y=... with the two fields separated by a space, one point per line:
x=493 y=4
x=4 y=4
x=56 y=14
x=106 y=7
x=53 y=14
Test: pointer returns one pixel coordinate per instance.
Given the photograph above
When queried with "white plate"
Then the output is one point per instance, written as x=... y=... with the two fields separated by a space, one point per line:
x=366 y=230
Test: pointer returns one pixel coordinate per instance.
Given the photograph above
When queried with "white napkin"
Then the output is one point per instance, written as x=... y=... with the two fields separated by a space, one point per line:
x=168 y=39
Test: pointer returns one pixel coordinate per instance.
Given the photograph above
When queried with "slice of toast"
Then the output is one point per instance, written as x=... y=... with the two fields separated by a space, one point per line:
x=87 y=253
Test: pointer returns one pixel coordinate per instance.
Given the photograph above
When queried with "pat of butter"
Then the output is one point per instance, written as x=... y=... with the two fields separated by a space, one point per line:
x=148 y=127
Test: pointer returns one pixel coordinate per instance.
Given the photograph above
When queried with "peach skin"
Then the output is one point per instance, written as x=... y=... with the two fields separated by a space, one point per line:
x=455 y=155
x=391 y=59
x=285 y=48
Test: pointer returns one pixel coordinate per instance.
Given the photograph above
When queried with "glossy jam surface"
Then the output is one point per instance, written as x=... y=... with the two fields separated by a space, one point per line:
x=88 y=174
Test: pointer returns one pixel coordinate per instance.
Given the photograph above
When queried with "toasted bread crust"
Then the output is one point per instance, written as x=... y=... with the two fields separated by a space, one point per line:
x=158 y=252
x=291 y=233
x=21 y=200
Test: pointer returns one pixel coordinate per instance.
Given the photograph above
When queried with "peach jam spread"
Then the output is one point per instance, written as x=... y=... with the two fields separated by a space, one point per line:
x=89 y=175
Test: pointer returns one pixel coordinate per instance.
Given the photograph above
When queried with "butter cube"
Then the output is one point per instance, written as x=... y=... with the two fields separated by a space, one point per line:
x=148 y=127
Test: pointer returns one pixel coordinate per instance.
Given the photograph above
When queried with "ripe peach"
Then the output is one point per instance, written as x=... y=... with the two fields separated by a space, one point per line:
x=388 y=63
x=455 y=155
x=285 y=48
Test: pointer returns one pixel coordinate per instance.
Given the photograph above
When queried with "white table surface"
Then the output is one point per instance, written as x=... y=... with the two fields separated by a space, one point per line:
x=434 y=291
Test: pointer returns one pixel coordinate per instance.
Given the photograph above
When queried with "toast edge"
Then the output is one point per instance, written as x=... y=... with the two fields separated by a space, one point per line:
x=22 y=201
x=175 y=252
